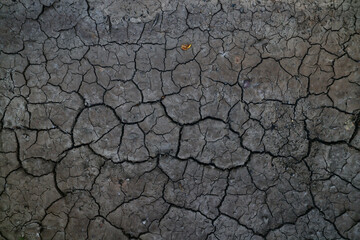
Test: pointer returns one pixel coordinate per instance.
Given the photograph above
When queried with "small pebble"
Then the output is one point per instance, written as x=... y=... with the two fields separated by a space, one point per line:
x=246 y=83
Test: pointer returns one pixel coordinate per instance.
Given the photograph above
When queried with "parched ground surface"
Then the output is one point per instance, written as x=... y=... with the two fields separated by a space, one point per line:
x=110 y=130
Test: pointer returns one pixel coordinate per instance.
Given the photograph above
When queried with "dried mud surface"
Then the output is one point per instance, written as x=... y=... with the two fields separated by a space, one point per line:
x=111 y=129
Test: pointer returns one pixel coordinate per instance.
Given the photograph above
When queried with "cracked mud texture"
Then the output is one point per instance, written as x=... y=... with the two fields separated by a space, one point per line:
x=110 y=130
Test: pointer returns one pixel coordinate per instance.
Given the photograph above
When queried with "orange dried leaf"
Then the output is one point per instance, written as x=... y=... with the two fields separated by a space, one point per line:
x=185 y=46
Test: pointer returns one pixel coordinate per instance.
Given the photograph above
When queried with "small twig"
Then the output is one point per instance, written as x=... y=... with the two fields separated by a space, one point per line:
x=109 y=22
x=156 y=20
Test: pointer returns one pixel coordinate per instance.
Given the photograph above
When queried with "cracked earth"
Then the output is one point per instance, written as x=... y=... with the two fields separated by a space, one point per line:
x=112 y=128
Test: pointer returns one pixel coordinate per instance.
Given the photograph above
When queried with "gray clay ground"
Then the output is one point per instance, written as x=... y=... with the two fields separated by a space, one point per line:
x=109 y=130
